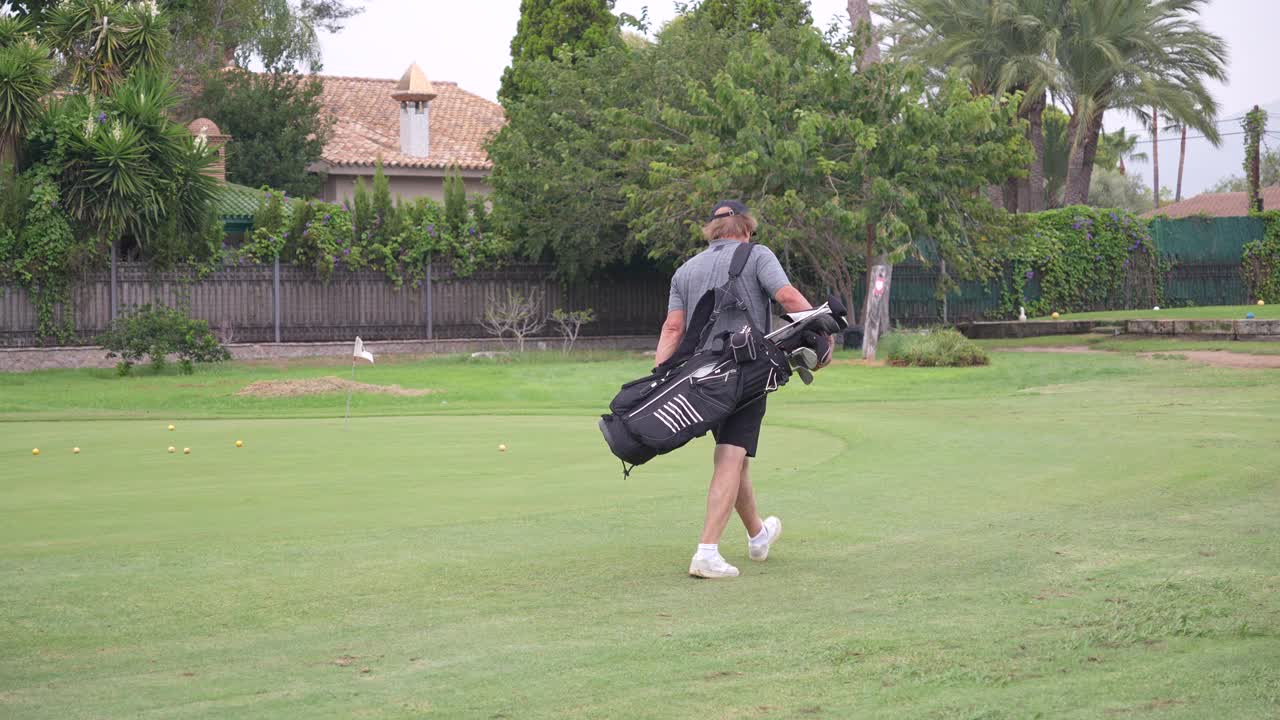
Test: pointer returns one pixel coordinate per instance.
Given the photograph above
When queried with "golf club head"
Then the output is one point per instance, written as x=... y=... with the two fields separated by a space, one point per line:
x=806 y=376
x=804 y=358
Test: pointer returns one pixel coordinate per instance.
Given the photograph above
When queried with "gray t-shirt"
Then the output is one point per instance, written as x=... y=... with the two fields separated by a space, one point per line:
x=761 y=279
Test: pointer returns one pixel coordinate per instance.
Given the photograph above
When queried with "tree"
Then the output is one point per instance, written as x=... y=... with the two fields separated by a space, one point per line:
x=26 y=77
x=102 y=41
x=549 y=27
x=1000 y=47
x=278 y=123
x=753 y=15
x=635 y=145
x=1114 y=148
x=126 y=169
x=1112 y=189
x=1121 y=54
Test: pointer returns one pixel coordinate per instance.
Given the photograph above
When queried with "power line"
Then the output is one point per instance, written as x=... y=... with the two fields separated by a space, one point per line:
x=1178 y=138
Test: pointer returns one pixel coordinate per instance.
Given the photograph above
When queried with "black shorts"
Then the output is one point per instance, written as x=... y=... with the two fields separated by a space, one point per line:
x=742 y=428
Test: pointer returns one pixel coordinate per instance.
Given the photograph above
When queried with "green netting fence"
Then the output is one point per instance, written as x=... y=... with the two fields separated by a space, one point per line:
x=1204 y=269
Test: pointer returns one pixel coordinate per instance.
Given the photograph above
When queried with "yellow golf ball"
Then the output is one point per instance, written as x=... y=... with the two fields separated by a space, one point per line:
x=75 y=451
x=173 y=449
x=35 y=451
x=502 y=448
x=170 y=428
x=186 y=451
x=239 y=443
x=1262 y=302
x=1055 y=316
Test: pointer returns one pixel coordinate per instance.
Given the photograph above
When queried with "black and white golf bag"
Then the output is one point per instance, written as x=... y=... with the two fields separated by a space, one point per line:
x=694 y=390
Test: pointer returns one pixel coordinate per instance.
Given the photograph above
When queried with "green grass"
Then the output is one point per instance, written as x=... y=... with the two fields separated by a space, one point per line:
x=1216 y=312
x=1049 y=536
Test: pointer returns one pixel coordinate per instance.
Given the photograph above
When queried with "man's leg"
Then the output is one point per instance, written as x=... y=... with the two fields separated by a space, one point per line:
x=746 y=504
x=726 y=479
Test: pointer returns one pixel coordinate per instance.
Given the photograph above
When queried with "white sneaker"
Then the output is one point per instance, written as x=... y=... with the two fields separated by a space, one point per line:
x=773 y=529
x=715 y=567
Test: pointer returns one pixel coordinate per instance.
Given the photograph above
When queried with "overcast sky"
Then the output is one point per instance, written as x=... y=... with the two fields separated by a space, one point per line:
x=468 y=42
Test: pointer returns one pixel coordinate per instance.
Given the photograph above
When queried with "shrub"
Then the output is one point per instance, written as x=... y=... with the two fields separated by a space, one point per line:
x=157 y=331
x=933 y=348
x=1079 y=259
x=1260 y=265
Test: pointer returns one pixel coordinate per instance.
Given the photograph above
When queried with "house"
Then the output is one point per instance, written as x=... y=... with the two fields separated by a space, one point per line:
x=418 y=128
x=1228 y=204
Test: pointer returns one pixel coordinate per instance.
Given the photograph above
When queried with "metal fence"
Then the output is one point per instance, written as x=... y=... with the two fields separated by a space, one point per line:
x=242 y=303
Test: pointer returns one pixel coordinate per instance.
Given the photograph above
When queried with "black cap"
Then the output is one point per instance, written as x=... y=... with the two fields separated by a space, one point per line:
x=735 y=208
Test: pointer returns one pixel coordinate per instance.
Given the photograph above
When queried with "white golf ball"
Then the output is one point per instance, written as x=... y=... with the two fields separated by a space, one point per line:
x=1156 y=307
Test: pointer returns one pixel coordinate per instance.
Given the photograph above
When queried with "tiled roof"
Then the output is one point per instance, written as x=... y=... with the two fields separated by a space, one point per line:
x=236 y=201
x=367 y=125
x=1230 y=204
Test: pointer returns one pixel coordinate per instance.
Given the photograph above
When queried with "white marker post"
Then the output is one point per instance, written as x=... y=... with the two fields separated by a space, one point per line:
x=359 y=353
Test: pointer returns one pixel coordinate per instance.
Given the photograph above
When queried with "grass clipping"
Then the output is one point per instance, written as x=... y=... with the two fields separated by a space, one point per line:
x=322 y=385
x=933 y=348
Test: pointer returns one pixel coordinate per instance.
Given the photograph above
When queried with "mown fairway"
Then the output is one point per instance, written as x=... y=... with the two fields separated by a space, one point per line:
x=1057 y=536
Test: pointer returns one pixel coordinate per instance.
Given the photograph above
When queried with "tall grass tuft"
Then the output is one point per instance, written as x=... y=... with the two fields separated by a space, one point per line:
x=933 y=348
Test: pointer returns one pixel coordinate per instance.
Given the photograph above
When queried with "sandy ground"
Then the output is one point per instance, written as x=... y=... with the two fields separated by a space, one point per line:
x=320 y=385
x=1215 y=358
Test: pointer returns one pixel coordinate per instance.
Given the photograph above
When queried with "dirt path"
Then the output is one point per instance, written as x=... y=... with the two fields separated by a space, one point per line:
x=1214 y=358
x=320 y=385
x=1223 y=358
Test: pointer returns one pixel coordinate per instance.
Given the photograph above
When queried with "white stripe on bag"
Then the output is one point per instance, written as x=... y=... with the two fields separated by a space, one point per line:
x=670 y=426
x=689 y=406
x=677 y=412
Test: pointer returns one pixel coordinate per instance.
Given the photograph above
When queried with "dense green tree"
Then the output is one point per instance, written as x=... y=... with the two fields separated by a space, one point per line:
x=753 y=14
x=632 y=146
x=549 y=27
x=278 y=123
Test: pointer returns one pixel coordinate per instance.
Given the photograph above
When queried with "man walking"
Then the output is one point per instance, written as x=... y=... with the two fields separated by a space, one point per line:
x=762 y=278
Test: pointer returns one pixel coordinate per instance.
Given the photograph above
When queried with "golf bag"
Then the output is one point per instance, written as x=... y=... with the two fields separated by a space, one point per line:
x=695 y=389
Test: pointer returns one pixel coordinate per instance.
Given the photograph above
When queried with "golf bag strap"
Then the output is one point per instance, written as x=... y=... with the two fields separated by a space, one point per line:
x=709 y=306
x=740 y=256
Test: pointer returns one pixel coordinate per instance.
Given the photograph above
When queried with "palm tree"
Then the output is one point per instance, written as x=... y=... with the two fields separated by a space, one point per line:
x=102 y=41
x=26 y=77
x=1134 y=54
x=1000 y=46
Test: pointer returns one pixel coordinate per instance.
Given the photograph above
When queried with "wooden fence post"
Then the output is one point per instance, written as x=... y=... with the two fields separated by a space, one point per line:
x=877 y=296
x=430 y=309
x=115 y=297
x=275 y=294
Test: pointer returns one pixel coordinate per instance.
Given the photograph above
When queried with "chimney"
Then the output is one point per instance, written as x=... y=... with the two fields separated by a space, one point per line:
x=207 y=133
x=414 y=93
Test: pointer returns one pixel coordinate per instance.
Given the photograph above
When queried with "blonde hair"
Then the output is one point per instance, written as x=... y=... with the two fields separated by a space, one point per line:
x=730 y=226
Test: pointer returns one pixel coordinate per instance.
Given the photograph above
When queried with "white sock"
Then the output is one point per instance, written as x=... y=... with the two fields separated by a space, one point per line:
x=761 y=537
x=707 y=552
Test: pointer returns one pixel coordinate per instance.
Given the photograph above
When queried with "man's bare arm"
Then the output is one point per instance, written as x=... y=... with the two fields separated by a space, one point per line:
x=670 y=337
x=791 y=299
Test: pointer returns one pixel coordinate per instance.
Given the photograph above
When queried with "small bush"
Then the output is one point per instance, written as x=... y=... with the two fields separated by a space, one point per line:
x=155 y=332
x=934 y=348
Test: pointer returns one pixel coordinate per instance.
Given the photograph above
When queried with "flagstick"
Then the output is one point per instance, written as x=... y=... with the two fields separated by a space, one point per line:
x=347 y=417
